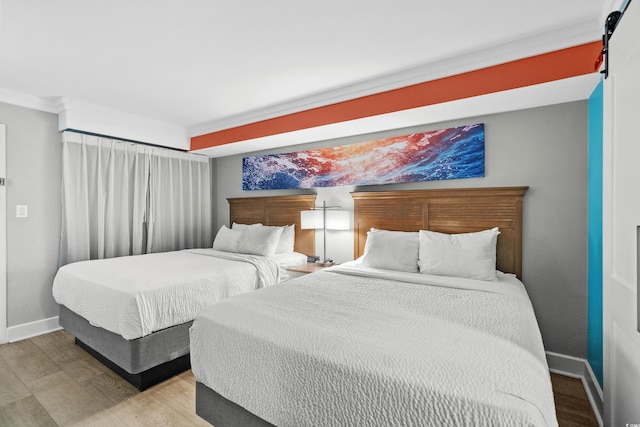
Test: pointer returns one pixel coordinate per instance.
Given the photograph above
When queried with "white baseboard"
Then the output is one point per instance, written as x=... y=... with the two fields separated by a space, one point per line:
x=581 y=369
x=32 y=329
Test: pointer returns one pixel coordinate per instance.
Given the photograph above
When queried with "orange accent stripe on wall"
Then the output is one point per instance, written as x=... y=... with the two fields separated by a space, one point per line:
x=557 y=65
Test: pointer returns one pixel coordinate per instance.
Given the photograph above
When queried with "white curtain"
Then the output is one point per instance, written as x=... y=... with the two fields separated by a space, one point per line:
x=180 y=201
x=110 y=194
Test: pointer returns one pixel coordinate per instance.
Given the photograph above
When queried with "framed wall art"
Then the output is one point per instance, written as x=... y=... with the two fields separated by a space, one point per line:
x=452 y=153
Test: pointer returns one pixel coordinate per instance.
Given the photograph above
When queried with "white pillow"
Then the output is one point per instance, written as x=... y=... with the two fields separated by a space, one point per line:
x=391 y=250
x=259 y=240
x=470 y=255
x=227 y=239
x=287 y=238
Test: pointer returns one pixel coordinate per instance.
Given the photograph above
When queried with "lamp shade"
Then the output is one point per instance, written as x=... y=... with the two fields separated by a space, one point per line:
x=335 y=220
x=311 y=219
x=338 y=220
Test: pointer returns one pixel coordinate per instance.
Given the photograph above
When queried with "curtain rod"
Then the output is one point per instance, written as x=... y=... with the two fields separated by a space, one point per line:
x=100 y=135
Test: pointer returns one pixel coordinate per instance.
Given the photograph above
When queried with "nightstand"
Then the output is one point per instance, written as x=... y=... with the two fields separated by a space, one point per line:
x=302 y=269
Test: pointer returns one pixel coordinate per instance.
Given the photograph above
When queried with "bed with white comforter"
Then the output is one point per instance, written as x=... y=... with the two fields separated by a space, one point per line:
x=137 y=295
x=361 y=346
x=133 y=313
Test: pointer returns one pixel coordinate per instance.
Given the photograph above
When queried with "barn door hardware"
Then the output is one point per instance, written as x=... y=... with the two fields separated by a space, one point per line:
x=610 y=25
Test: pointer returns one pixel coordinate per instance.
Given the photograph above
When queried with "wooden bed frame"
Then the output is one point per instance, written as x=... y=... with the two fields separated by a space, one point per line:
x=165 y=353
x=447 y=211
x=442 y=210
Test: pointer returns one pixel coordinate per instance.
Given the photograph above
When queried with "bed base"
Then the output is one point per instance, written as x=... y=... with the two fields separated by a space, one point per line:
x=142 y=362
x=222 y=412
x=145 y=379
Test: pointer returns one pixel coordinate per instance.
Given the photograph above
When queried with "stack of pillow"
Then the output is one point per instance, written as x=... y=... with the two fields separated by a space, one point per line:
x=468 y=255
x=256 y=239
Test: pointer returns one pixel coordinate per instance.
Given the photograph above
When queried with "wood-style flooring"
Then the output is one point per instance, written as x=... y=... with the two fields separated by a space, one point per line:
x=49 y=381
x=572 y=404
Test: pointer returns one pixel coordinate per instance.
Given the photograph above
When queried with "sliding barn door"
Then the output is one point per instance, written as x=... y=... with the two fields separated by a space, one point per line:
x=3 y=235
x=621 y=224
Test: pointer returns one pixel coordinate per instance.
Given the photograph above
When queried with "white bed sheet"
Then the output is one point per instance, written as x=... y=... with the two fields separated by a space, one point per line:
x=356 y=346
x=287 y=260
x=136 y=295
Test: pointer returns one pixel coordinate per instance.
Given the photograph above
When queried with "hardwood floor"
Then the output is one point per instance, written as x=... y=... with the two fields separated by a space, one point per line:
x=49 y=381
x=572 y=405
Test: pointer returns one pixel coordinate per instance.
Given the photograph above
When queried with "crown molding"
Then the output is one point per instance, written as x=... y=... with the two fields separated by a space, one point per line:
x=556 y=92
x=49 y=104
x=571 y=35
x=101 y=120
x=93 y=118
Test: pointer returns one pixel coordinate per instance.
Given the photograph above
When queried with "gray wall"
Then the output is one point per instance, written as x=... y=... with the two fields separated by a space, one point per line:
x=34 y=174
x=544 y=148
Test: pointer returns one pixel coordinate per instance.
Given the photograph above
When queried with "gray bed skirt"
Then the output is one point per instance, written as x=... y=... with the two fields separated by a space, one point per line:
x=143 y=361
x=222 y=412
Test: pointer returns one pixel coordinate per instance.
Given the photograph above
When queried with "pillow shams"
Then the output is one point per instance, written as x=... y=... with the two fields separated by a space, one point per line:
x=287 y=238
x=391 y=250
x=259 y=240
x=469 y=255
x=227 y=239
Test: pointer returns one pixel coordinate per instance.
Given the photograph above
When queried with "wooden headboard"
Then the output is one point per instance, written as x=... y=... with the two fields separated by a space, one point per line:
x=276 y=210
x=446 y=211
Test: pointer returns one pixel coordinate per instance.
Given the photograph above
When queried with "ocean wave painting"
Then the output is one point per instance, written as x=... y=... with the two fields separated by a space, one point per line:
x=452 y=153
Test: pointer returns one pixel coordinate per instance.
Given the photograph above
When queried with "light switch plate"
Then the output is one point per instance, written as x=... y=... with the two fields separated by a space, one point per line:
x=22 y=211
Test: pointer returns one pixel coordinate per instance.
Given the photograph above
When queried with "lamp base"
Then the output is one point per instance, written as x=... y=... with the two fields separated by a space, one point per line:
x=325 y=263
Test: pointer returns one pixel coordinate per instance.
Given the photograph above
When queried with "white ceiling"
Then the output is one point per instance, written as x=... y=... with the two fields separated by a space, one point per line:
x=206 y=65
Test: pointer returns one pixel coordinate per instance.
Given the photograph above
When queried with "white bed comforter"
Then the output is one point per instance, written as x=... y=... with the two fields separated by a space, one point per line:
x=136 y=295
x=362 y=347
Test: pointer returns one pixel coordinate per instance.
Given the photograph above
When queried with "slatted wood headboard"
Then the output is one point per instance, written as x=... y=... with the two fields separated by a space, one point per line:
x=446 y=211
x=276 y=210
